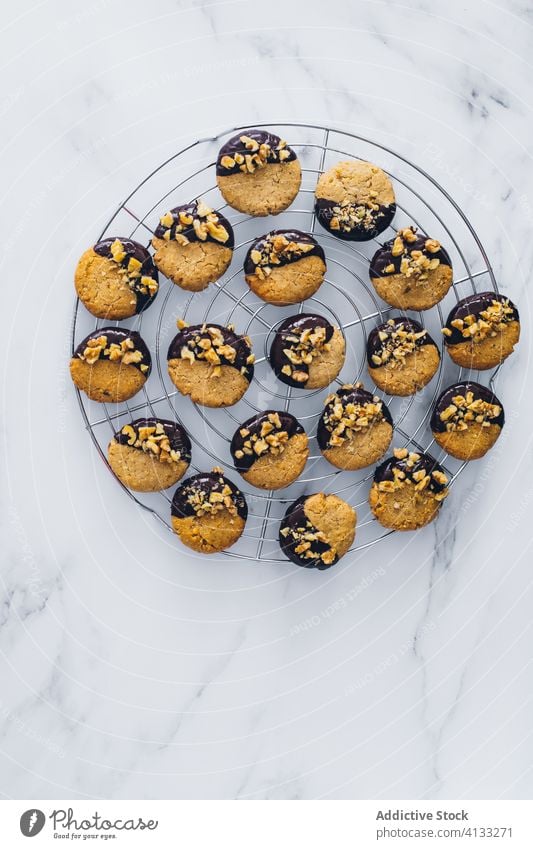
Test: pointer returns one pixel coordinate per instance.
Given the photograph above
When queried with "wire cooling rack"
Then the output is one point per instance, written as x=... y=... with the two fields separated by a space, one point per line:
x=346 y=298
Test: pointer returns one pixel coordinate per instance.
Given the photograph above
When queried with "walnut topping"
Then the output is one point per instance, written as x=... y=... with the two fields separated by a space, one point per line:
x=272 y=438
x=413 y=263
x=465 y=409
x=275 y=250
x=203 y=220
x=343 y=419
x=210 y=346
x=123 y=352
x=347 y=216
x=132 y=270
x=397 y=341
x=152 y=439
x=408 y=475
x=304 y=536
x=255 y=155
x=303 y=345
x=488 y=323
x=207 y=502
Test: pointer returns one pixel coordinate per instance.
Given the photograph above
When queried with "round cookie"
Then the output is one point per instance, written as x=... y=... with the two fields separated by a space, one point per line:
x=211 y=364
x=208 y=512
x=407 y=491
x=285 y=267
x=467 y=420
x=307 y=351
x=355 y=429
x=411 y=271
x=317 y=530
x=354 y=200
x=257 y=173
x=482 y=330
x=151 y=454
x=193 y=245
x=402 y=357
x=111 y=364
x=116 y=279
x=270 y=450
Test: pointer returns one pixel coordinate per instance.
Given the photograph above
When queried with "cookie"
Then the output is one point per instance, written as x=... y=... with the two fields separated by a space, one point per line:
x=411 y=271
x=270 y=450
x=355 y=428
x=354 y=201
x=401 y=355
x=149 y=454
x=467 y=420
x=116 y=279
x=257 y=173
x=307 y=351
x=111 y=364
x=208 y=512
x=317 y=530
x=285 y=267
x=193 y=245
x=407 y=491
x=211 y=364
x=482 y=330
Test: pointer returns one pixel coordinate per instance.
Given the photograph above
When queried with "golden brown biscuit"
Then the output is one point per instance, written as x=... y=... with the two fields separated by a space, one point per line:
x=317 y=530
x=257 y=173
x=193 y=245
x=355 y=200
x=111 y=364
x=208 y=512
x=402 y=357
x=407 y=491
x=355 y=428
x=411 y=271
x=482 y=330
x=270 y=449
x=307 y=351
x=148 y=455
x=467 y=420
x=285 y=267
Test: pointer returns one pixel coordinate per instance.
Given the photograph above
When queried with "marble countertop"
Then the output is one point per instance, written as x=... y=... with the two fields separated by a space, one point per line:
x=132 y=670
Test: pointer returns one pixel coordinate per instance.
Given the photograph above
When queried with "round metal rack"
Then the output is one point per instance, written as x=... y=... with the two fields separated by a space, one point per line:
x=346 y=297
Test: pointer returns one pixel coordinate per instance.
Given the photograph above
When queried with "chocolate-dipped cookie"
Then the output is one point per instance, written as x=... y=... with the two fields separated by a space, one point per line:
x=482 y=330
x=307 y=351
x=208 y=512
x=401 y=355
x=270 y=450
x=285 y=267
x=116 y=279
x=150 y=454
x=210 y=363
x=111 y=364
x=355 y=200
x=355 y=428
x=411 y=271
x=407 y=491
x=317 y=530
x=467 y=420
x=193 y=245
x=258 y=173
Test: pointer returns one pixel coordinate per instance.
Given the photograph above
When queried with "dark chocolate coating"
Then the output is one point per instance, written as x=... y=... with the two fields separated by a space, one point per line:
x=374 y=343
x=383 y=256
x=445 y=399
x=253 y=424
x=295 y=517
x=289 y=327
x=234 y=145
x=177 y=435
x=291 y=236
x=382 y=219
x=426 y=463
x=206 y=482
x=136 y=251
x=353 y=395
x=239 y=343
x=117 y=335
x=474 y=305
x=189 y=231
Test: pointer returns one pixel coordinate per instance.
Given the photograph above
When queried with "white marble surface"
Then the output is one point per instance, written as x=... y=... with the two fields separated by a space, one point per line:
x=130 y=669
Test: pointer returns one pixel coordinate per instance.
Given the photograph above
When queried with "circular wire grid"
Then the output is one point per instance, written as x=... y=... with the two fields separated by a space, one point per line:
x=346 y=298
